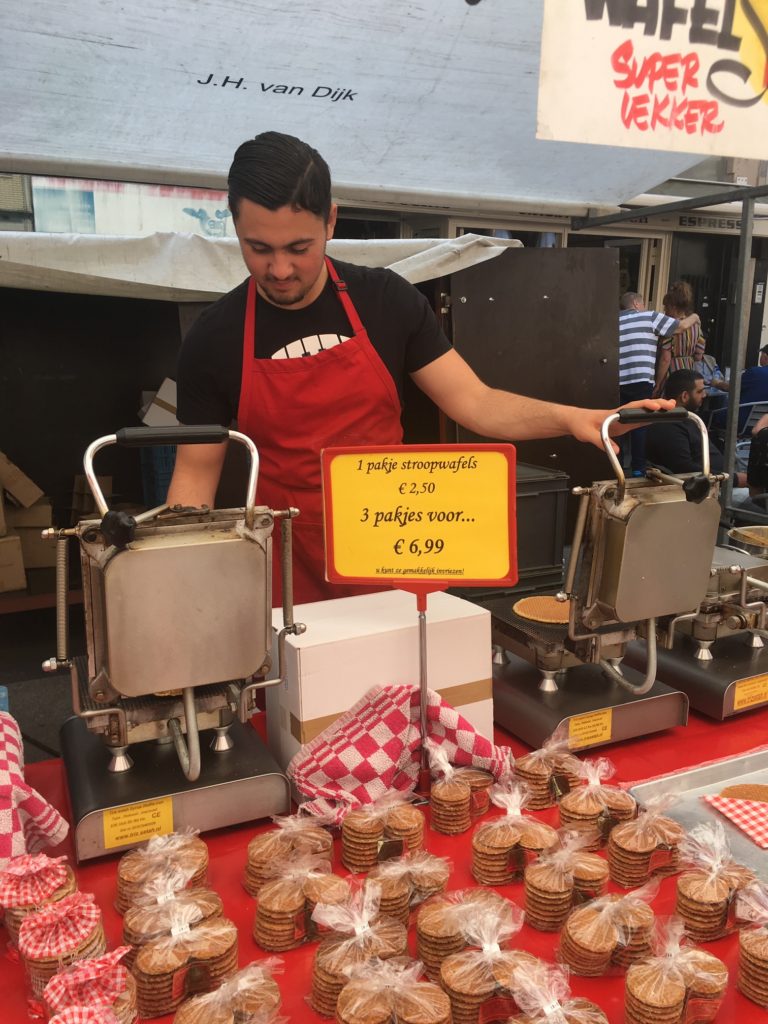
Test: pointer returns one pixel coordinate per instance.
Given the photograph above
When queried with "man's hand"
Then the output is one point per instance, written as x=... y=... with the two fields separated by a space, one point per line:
x=586 y=423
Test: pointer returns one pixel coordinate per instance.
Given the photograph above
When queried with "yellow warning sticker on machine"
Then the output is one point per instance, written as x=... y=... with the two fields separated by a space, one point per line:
x=136 y=822
x=592 y=729
x=748 y=692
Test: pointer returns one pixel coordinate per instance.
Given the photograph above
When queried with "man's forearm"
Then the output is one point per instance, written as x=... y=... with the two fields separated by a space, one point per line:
x=196 y=474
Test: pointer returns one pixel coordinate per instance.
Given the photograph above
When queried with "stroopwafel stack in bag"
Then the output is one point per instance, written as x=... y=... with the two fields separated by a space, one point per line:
x=282 y=920
x=358 y=934
x=184 y=963
x=405 y=882
x=59 y=934
x=708 y=886
x=679 y=983
x=295 y=833
x=390 y=992
x=646 y=845
x=251 y=996
x=478 y=979
x=543 y=996
x=503 y=846
x=30 y=882
x=752 y=913
x=101 y=982
x=450 y=798
x=439 y=928
x=550 y=882
x=405 y=822
x=480 y=782
x=608 y=934
x=362 y=838
x=550 y=772
x=595 y=804
x=154 y=912
x=183 y=851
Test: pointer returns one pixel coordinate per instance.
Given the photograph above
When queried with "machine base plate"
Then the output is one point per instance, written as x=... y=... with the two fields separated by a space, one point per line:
x=115 y=812
x=597 y=710
x=735 y=680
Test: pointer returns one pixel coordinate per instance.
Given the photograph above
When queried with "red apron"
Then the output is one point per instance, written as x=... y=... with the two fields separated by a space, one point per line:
x=293 y=408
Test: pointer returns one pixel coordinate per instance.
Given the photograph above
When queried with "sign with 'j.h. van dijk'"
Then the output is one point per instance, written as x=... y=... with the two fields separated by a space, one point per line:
x=680 y=75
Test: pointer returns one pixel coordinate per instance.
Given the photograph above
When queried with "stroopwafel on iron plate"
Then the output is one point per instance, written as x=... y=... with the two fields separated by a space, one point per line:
x=30 y=882
x=542 y=608
x=169 y=970
x=185 y=852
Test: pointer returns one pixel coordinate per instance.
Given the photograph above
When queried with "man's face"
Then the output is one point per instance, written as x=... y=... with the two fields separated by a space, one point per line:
x=763 y=361
x=284 y=251
x=691 y=400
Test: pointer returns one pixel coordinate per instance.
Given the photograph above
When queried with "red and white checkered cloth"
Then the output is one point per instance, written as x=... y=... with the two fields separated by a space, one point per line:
x=29 y=880
x=59 y=927
x=27 y=821
x=85 y=1015
x=96 y=982
x=375 y=748
x=751 y=816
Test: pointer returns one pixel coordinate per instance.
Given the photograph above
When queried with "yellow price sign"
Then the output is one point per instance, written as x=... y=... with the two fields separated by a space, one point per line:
x=420 y=517
x=133 y=823
x=750 y=692
x=591 y=729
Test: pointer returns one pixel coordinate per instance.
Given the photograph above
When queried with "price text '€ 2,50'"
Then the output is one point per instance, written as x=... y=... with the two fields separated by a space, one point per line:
x=439 y=513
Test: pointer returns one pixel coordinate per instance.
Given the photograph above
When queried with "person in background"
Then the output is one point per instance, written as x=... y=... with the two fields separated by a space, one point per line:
x=677 y=446
x=715 y=385
x=687 y=345
x=754 y=388
x=640 y=331
x=309 y=353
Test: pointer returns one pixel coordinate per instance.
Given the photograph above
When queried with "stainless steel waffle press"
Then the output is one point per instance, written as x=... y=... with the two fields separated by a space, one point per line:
x=642 y=549
x=178 y=627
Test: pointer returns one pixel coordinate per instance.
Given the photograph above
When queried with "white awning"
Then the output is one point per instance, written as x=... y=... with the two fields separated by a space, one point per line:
x=425 y=102
x=191 y=268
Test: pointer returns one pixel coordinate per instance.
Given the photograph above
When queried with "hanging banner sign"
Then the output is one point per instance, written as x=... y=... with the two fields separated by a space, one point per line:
x=664 y=74
x=420 y=517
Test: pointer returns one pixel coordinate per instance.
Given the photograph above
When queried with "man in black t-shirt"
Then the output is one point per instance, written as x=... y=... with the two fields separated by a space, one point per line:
x=309 y=353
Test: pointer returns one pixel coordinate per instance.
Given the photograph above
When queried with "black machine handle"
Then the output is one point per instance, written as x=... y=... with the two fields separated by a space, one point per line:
x=143 y=437
x=647 y=416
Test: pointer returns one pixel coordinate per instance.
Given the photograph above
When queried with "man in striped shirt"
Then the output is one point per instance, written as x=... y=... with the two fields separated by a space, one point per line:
x=640 y=331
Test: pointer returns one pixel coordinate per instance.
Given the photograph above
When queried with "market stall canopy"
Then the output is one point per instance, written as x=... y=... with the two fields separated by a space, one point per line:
x=422 y=103
x=180 y=267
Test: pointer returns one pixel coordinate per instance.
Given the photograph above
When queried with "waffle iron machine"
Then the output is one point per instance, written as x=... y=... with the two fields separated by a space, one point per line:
x=178 y=627
x=642 y=549
x=717 y=654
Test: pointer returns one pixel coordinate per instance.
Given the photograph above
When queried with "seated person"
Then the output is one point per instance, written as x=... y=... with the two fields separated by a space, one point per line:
x=677 y=446
x=754 y=388
x=757 y=469
x=714 y=378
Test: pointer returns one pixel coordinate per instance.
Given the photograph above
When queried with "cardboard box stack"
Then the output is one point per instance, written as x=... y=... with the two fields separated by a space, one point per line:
x=22 y=494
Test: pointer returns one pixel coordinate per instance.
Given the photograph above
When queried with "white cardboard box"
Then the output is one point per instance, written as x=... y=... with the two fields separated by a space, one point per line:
x=161 y=411
x=354 y=643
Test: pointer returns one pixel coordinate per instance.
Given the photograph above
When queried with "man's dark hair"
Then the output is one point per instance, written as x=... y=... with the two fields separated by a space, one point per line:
x=626 y=300
x=276 y=170
x=680 y=381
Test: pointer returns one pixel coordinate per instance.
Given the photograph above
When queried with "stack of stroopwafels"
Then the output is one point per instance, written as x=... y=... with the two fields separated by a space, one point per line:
x=704 y=899
x=565 y=876
x=328 y=889
x=103 y=981
x=384 y=938
x=30 y=882
x=542 y=993
x=144 y=923
x=611 y=931
x=428 y=874
x=450 y=803
x=549 y=772
x=480 y=984
x=706 y=979
x=362 y=836
x=405 y=882
x=439 y=925
x=753 y=965
x=285 y=905
x=502 y=848
x=389 y=992
x=596 y=807
x=405 y=822
x=250 y=995
x=654 y=993
x=182 y=851
x=480 y=782
x=573 y=1011
x=645 y=846
x=170 y=969
x=270 y=848
x=58 y=935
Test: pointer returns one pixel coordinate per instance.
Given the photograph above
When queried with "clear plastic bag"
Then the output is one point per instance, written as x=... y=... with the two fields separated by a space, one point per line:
x=707 y=888
x=646 y=845
x=608 y=934
x=544 y=997
x=251 y=995
x=551 y=771
x=595 y=803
